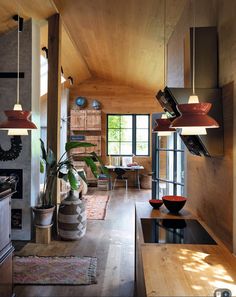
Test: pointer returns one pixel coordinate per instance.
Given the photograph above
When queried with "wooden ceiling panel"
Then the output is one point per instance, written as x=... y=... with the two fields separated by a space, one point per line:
x=119 y=40
x=37 y=9
x=73 y=63
x=71 y=60
x=122 y=40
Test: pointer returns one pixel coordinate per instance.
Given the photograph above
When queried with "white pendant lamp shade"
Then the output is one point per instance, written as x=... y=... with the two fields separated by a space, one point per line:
x=193 y=131
x=193 y=99
x=17 y=131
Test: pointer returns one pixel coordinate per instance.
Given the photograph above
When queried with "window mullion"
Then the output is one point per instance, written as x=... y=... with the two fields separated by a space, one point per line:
x=134 y=134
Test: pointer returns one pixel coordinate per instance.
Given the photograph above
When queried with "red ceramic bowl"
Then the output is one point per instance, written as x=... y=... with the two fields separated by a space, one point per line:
x=174 y=203
x=156 y=203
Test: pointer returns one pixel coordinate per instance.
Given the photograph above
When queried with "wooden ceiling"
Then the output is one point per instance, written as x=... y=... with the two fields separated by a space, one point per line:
x=119 y=40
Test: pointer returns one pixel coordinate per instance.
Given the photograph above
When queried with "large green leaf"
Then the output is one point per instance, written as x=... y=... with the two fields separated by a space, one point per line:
x=97 y=158
x=73 y=179
x=73 y=144
x=44 y=154
x=89 y=161
x=103 y=168
x=42 y=163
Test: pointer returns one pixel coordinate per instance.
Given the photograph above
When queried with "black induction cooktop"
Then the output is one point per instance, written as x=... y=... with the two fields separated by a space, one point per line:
x=177 y=231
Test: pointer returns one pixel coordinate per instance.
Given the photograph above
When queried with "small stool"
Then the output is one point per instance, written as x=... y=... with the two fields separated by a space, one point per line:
x=43 y=234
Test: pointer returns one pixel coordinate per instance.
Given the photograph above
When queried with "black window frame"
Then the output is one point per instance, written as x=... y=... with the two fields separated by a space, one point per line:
x=156 y=166
x=134 y=128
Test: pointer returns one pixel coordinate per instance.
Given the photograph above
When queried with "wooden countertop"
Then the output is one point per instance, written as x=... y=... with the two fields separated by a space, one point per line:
x=183 y=269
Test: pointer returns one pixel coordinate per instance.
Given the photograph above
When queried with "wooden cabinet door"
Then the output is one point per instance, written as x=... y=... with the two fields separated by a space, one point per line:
x=93 y=120
x=77 y=120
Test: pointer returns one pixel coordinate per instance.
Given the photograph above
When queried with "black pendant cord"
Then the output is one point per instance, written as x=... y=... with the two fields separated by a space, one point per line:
x=14 y=151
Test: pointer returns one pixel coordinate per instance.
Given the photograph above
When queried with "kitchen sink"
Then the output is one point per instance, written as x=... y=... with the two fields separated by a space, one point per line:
x=175 y=231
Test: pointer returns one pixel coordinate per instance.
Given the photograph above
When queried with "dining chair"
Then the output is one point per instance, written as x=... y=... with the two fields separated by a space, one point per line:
x=120 y=177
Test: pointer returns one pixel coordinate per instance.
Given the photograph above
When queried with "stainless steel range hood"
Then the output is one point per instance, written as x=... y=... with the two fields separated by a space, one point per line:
x=206 y=81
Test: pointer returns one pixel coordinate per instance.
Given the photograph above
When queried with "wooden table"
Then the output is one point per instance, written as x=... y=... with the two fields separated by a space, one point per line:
x=180 y=269
x=129 y=168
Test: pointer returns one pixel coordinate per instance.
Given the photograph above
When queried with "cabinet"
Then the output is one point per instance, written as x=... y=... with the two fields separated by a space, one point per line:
x=85 y=120
x=6 y=248
x=85 y=126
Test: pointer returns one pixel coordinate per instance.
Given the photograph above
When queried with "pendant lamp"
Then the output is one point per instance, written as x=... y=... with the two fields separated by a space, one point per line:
x=18 y=122
x=162 y=127
x=193 y=117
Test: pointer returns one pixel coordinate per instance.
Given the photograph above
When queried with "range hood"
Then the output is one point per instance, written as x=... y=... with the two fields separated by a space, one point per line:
x=208 y=145
x=206 y=81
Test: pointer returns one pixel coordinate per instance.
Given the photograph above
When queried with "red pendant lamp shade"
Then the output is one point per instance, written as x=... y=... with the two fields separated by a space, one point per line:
x=163 y=125
x=17 y=119
x=194 y=115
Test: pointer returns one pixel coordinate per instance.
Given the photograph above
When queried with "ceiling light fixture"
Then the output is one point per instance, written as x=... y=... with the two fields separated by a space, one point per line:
x=193 y=119
x=17 y=119
x=162 y=127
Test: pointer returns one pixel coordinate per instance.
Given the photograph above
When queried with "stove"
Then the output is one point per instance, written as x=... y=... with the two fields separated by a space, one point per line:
x=176 y=231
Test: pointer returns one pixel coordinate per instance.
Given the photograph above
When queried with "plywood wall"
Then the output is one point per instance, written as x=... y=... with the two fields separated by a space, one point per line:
x=116 y=98
x=209 y=180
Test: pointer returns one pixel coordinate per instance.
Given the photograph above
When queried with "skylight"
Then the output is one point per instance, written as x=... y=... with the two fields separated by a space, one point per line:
x=44 y=76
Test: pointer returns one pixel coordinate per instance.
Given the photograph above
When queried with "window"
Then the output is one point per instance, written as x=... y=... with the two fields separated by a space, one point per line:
x=128 y=135
x=168 y=164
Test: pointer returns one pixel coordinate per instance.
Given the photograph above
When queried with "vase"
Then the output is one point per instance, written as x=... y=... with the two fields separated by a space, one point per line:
x=72 y=218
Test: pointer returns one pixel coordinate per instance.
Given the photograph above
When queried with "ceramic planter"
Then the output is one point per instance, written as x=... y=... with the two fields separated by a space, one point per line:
x=43 y=216
x=72 y=218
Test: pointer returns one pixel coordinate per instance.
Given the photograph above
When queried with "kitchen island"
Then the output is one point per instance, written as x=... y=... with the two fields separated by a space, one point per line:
x=179 y=269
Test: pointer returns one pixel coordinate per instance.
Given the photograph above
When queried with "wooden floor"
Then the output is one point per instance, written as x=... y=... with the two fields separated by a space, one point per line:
x=110 y=240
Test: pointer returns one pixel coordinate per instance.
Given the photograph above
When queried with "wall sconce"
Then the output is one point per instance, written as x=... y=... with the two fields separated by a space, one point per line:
x=71 y=80
x=45 y=50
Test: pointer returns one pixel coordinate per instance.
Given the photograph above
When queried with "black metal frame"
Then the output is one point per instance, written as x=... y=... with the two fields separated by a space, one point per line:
x=156 y=168
x=134 y=142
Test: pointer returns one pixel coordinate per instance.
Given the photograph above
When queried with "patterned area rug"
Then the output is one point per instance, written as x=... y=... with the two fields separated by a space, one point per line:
x=36 y=270
x=96 y=206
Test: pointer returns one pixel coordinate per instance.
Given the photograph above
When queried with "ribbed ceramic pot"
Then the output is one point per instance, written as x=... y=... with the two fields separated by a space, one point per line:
x=72 y=218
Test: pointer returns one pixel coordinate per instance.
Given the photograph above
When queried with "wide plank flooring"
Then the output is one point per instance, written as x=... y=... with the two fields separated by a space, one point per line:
x=110 y=240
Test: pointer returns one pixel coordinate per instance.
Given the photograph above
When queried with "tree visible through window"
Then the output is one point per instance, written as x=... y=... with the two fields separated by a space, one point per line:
x=128 y=135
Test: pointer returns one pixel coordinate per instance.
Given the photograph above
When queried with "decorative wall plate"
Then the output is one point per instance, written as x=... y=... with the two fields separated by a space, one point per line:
x=81 y=101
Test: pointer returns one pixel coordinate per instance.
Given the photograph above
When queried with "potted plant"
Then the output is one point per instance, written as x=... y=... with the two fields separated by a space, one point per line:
x=64 y=169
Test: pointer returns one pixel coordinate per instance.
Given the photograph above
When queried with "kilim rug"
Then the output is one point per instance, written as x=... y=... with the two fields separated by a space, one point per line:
x=36 y=270
x=96 y=206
